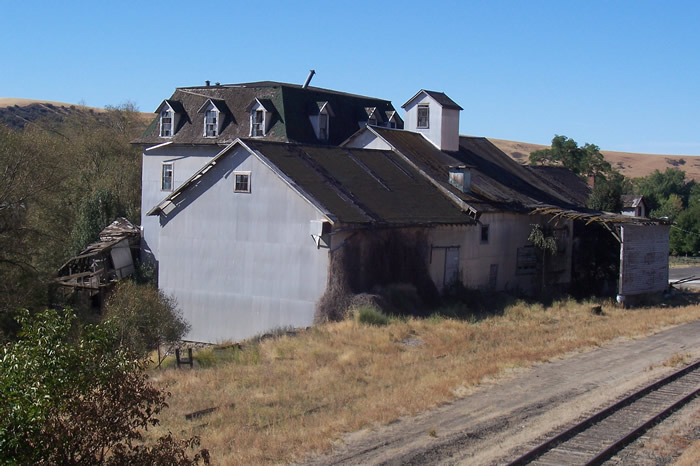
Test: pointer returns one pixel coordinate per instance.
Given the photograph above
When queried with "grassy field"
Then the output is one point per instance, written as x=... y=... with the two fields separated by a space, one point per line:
x=681 y=261
x=281 y=398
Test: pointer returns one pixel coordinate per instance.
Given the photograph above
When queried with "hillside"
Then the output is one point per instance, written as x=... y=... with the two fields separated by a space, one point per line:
x=630 y=164
x=16 y=113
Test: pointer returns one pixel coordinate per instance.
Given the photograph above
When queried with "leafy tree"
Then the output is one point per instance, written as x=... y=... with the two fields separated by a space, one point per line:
x=60 y=181
x=585 y=160
x=670 y=208
x=685 y=235
x=607 y=191
x=96 y=212
x=145 y=317
x=658 y=187
x=79 y=399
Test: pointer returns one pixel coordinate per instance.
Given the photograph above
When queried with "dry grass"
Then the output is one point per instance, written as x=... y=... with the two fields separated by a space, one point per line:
x=691 y=455
x=286 y=397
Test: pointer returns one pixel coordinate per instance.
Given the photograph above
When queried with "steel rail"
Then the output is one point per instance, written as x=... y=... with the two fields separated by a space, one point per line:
x=594 y=419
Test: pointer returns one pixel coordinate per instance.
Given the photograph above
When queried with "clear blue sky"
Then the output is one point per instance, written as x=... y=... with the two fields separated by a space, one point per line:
x=624 y=75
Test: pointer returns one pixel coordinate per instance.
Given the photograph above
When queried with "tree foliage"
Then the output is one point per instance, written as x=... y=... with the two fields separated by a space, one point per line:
x=584 y=160
x=658 y=187
x=60 y=184
x=145 y=317
x=79 y=399
x=607 y=192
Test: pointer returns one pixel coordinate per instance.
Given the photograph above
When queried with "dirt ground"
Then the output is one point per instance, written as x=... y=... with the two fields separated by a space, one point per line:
x=502 y=418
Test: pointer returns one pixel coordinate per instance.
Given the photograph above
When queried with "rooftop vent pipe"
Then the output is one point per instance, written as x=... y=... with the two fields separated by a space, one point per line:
x=308 y=79
x=207 y=83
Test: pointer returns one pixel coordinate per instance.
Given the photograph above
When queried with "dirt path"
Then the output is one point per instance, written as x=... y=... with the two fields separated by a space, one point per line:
x=490 y=425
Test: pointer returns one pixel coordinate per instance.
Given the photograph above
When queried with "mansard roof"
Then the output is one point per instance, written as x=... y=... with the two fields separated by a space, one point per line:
x=288 y=103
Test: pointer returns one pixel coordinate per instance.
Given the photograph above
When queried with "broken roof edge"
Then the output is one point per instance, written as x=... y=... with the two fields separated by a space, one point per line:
x=159 y=208
x=596 y=216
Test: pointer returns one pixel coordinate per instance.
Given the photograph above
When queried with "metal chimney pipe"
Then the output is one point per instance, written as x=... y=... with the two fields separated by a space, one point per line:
x=308 y=79
x=207 y=82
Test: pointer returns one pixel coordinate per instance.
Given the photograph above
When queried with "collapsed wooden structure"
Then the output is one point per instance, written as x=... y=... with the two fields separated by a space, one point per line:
x=105 y=261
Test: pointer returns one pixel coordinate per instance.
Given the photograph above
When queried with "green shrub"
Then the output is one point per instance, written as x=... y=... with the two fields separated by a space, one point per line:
x=79 y=398
x=371 y=316
x=145 y=316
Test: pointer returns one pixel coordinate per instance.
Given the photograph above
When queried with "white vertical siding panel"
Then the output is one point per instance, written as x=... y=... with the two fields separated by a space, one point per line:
x=241 y=264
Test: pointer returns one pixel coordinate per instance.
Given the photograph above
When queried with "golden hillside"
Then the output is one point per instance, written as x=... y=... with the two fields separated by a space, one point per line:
x=628 y=163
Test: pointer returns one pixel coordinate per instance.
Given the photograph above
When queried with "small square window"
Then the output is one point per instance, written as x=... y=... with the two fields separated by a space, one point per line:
x=166 y=180
x=423 y=116
x=241 y=182
x=484 y=233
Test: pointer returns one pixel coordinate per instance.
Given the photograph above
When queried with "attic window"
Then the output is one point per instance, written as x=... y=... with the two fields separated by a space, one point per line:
x=211 y=123
x=241 y=182
x=257 y=123
x=166 y=123
x=423 y=116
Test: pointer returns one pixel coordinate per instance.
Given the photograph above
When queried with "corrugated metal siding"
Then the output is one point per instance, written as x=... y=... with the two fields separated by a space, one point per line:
x=644 y=259
x=240 y=264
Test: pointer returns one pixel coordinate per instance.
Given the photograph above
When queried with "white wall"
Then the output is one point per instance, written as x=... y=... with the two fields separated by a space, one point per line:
x=240 y=264
x=186 y=161
x=507 y=233
x=644 y=259
x=443 y=128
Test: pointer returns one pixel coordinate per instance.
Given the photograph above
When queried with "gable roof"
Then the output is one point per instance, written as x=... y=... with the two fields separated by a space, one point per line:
x=497 y=182
x=440 y=97
x=289 y=105
x=354 y=186
x=631 y=201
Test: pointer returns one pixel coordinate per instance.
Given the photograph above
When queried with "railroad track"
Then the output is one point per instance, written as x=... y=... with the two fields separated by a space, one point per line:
x=601 y=436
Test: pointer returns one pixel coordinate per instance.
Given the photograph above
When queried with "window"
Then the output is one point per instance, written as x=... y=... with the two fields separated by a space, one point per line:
x=211 y=123
x=423 y=116
x=166 y=123
x=241 y=182
x=257 y=123
x=484 y=234
x=323 y=126
x=166 y=179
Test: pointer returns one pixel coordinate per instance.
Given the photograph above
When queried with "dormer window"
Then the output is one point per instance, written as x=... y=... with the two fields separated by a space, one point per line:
x=214 y=112
x=169 y=113
x=423 y=116
x=372 y=119
x=393 y=120
x=166 y=124
x=261 y=111
x=258 y=123
x=320 y=120
x=211 y=124
x=323 y=126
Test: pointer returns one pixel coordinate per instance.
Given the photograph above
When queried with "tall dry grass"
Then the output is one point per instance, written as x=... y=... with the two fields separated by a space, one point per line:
x=282 y=398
